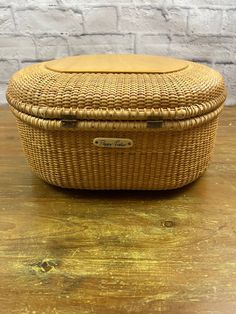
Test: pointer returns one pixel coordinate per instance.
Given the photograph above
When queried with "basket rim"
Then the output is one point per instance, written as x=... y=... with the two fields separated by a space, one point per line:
x=135 y=125
x=108 y=114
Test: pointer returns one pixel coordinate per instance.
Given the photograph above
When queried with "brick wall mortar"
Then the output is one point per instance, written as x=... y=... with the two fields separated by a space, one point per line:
x=198 y=30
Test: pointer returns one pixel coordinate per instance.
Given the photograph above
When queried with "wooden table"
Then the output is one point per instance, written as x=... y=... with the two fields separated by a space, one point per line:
x=64 y=251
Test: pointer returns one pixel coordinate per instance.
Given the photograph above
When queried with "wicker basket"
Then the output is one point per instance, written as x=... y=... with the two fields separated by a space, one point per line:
x=117 y=121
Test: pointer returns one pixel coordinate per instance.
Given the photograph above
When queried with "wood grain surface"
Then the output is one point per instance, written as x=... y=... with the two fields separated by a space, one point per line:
x=64 y=251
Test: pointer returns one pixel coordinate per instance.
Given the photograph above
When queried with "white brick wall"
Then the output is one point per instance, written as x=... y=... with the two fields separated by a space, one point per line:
x=204 y=21
x=48 y=21
x=100 y=20
x=199 y=30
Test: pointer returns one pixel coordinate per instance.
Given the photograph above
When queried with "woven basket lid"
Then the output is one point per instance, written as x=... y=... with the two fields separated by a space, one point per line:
x=116 y=87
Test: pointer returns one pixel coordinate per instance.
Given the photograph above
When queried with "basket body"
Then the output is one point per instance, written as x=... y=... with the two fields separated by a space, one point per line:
x=85 y=126
x=158 y=160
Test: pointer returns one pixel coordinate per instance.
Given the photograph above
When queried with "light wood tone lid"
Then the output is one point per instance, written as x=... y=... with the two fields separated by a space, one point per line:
x=117 y=63
x=181 y=94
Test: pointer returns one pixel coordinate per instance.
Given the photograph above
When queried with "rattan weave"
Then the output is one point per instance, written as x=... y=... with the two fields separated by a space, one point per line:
x=186 y=104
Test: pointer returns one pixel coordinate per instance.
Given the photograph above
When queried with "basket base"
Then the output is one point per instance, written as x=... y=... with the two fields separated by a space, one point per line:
x=125 y=189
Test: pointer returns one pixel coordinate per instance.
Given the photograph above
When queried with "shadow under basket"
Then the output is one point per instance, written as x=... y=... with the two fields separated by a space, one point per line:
x=117 y=121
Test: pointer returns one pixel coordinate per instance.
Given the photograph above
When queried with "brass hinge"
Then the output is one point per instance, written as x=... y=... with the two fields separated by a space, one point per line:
x=154 y=123
x=68 y=121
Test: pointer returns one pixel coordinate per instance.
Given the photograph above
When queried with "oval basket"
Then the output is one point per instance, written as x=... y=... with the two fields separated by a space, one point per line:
x=117 y=121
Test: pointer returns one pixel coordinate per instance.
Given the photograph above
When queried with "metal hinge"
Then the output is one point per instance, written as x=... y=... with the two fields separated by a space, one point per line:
x=154 y=123
x=68 y=121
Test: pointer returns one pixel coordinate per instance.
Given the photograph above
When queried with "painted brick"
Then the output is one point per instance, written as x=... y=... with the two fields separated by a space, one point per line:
x=3 y=88
x=211 y=49
x=229 y=72
x=95 y=2
x=132 y=2
x=52 y=21
x=229 y=22
x=205 y=21
x=26 y=3
x=153 y=44
x=17 y=47
x=49 y=3
x=149 y=19
x=142 y=20
x=6 y=20
x=100 y=20
x=8 y=2
x=8 y=67
x=51 y=29
x=196 y=3
x=26 y=63
x=49 y=47
x=177 y=21
x=89 y=44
